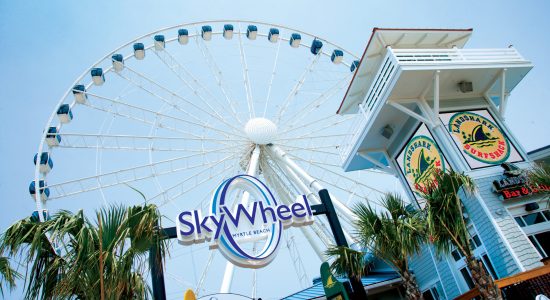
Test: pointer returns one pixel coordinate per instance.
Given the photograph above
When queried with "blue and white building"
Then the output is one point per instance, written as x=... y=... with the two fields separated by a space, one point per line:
x=422 y=101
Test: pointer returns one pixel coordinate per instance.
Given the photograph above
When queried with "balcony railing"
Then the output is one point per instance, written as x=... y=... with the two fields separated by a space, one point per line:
x=456 y=56
x=397 y=58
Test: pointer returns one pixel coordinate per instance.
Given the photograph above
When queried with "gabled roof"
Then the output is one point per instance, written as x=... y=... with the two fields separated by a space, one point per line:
x=397 y=39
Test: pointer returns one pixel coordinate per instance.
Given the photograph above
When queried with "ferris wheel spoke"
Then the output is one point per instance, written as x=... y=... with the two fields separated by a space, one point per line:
x=306 y=137
x=318 y=102
x=311 y=150
x=127 y=175
x=208 y=168
x=299 y=267
x=75 y=140
x=216 y=73
x=296 y=88
x=172 y=94
x=337 y=175
x=343 y=119
x=327 y=164
x=272 y=77
x=200 y=285
x=197 y=183
x=149 y=116
x=182 y=73
x=246 y=78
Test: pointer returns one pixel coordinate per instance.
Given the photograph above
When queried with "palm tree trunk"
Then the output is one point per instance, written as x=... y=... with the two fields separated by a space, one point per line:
x=411 y=287
x=482 y=280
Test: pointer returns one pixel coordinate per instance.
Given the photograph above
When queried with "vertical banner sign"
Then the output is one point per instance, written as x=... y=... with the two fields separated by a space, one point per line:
x=479 y=138
x=419 y=159
x=334 y=289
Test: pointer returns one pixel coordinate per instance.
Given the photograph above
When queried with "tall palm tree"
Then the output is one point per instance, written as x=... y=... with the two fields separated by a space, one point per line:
x=392 y=235
x=69 y=256
x=447 y=227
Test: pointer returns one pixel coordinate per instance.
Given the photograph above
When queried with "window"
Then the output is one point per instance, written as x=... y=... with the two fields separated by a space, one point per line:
x=489 y=266
x=533 y=218
x=541 y=241
x=466 y=274
x=431 y=293
x=520 y=221
x=456 y=255
x=479 y=253
x=477 y=241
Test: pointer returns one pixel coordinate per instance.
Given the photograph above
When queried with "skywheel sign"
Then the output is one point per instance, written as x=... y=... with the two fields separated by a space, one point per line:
x=244 y=221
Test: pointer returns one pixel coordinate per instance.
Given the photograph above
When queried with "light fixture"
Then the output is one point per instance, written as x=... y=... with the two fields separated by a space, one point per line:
x=387 y=131
x=531 y=206
x=466 y=86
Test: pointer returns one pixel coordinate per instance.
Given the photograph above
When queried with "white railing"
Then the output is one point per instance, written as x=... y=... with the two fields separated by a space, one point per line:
x=357 y=124
x=456 y=56
x=395 y=58
x=382 y=79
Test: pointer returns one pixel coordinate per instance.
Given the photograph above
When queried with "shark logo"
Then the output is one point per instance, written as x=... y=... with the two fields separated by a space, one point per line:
x=481 y=138
x=331 y=281
x=422 y=157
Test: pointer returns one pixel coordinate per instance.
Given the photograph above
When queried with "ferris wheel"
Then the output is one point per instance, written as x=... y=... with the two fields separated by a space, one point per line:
x=177 y=111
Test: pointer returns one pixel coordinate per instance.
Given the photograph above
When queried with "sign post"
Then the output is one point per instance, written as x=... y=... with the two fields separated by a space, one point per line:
x=221 y=223
x=327 y=208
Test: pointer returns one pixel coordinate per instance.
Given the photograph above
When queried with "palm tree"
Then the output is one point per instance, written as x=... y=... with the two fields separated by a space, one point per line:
x=447 y=227
x=7 y=275
x=347 y=261
x=392 y=235
x=69 y=256
x=540 y=176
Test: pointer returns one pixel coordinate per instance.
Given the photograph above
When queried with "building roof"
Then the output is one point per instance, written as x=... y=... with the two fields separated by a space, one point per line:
x=316 y=291
x=397 y=39
x=540 y=155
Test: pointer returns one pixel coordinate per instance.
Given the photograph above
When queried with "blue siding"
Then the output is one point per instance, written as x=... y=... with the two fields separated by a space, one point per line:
x=427 y=274
x=500 y=255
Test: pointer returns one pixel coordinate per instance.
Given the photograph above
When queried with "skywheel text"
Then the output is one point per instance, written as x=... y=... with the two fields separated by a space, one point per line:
x=243 y=210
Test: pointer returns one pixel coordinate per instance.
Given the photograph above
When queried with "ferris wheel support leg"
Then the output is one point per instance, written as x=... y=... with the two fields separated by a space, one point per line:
x=295 y=172
x=325 y=236
x=229 y=267
x=282 y=156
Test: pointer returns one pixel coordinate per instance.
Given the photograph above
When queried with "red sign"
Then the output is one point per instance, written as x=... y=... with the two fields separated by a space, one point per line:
x=521 y=191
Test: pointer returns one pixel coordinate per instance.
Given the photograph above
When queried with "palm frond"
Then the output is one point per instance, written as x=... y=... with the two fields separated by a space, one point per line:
x=346 y=261
x=392 y=235
x=7 y=275
x=445 y=211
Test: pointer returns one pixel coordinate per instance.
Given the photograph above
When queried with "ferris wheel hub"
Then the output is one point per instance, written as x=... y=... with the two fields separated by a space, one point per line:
x=261 y=131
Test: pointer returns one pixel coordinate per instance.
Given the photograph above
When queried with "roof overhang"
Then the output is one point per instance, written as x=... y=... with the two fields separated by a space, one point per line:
x=396 y=38
x=540 y=155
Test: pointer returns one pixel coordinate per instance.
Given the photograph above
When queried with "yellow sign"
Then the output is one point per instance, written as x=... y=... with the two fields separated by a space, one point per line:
x=481 y=138
x=421 y=158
